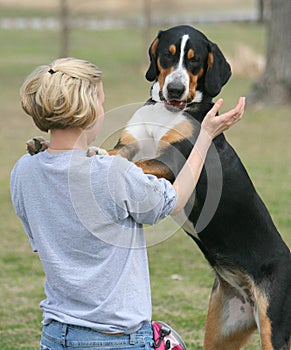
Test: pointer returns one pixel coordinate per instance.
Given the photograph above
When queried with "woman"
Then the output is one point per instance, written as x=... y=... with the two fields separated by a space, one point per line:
x=94 y=255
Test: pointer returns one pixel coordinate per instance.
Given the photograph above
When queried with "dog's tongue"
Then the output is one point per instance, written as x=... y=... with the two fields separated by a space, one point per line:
x=176 y=104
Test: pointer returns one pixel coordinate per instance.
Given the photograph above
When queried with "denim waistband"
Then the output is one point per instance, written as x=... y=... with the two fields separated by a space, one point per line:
x=146 y=328
x=76 y=336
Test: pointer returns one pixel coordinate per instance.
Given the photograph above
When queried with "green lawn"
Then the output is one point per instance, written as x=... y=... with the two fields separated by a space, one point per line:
x=262 y=140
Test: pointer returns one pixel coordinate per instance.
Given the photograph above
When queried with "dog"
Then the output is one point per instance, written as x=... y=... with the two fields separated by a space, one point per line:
x=225 y=217
x=240 y=241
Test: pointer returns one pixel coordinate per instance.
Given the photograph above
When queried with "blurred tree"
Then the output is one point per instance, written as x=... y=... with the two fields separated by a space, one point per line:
x=260 y=10
x=64 y=24
x=274 y=86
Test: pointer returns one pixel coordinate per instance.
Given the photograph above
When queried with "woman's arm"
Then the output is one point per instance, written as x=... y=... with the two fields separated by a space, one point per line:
x=211 y=127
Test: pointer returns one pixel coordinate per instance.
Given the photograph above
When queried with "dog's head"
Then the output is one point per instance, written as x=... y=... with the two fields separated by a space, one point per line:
x=186 y=67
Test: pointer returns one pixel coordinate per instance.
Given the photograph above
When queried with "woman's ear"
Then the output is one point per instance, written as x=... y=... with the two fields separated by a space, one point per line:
x=152 y=71
x=218 y=70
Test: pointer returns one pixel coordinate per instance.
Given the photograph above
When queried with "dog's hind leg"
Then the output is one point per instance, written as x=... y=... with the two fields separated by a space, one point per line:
x=273 y=311
x=230 y=320
x=263 y=321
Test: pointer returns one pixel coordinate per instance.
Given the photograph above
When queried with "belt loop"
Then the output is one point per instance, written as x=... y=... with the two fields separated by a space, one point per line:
x=132 y=339
x=64 y=333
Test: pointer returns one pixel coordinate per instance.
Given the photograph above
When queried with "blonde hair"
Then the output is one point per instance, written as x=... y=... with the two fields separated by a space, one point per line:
x=62 y=95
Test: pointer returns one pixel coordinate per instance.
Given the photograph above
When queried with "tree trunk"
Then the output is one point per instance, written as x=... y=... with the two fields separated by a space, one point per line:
x=274 y=86
x=260 y=11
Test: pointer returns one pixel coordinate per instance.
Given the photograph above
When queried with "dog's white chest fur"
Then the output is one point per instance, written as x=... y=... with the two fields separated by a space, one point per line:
x=149 y=125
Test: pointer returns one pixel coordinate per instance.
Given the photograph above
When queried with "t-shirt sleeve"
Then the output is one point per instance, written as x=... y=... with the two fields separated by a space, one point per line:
x=145 y=198
x=151 y=201
x=18 y=202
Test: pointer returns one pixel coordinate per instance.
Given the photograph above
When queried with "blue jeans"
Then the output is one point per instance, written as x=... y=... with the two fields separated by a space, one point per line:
x=59 y=336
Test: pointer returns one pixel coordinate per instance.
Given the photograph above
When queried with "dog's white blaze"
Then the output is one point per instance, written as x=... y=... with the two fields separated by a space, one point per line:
x=180 y=73
x=185 y=38
x=149 y=124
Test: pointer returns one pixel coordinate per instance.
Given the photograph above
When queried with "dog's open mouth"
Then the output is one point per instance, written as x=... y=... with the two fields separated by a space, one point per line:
x=176 y=104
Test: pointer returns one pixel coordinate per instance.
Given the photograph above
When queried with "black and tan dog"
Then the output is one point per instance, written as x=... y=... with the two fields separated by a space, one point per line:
x=227 y=219
x=252 y=288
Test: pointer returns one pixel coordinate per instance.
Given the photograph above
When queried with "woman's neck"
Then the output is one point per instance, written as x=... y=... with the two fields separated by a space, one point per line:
x=67 y=139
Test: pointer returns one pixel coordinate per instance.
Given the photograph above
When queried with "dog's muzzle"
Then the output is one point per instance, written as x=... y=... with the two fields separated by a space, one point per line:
x=175 y=89
x=172 y=104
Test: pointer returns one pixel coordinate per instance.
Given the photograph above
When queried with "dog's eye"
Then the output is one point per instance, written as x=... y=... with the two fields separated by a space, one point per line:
x=194 y=60
x=167 y=58
x=168 y=55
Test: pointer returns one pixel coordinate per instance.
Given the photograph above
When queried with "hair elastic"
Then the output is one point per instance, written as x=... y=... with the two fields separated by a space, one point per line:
x=51 y=71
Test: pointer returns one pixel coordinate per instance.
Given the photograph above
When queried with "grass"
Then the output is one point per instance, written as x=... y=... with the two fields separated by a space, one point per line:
x=181 y=279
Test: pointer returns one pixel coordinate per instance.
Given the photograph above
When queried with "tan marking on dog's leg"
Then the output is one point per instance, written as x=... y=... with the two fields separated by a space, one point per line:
x=180 y=132
x=155 y=167
x=225 y=330
x=127 y=138
x=264 y=321
x=127 y=146
x=114 y=152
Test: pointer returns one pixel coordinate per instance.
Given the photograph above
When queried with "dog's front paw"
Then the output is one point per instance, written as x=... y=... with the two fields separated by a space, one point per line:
x=93 y=151
x=36 y=145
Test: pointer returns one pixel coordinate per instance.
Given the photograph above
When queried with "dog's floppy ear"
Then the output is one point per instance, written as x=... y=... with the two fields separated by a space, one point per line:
x=152 y=71
x=218 y=71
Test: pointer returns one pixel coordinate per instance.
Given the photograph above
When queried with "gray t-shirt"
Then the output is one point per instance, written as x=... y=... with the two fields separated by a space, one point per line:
x=84 y=217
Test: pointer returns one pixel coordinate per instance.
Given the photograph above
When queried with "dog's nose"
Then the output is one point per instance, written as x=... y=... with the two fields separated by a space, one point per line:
x=175 y=90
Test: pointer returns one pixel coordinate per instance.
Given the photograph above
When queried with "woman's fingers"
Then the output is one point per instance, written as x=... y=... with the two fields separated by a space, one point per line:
x=216 y=107
x=235 y=114
x=215 y=125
